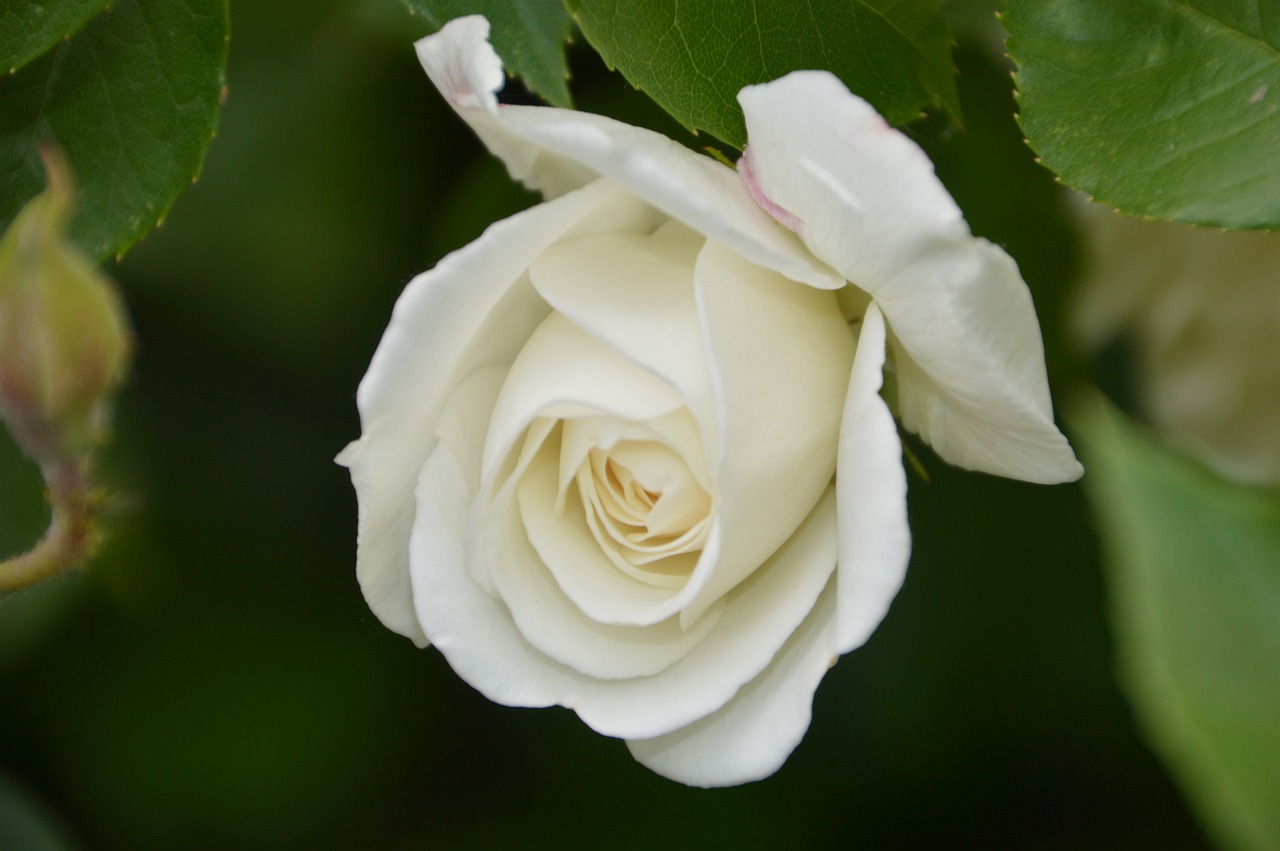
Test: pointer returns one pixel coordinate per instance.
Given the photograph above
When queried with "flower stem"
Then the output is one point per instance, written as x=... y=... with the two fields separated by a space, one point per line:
x=71 y=536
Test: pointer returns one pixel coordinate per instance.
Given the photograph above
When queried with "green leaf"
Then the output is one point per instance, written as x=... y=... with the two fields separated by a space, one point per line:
x=28 y=29
x=30 y=616
x=132 y=99
x=25 y=822
x=692 y=58
x=529 y=35
x=1160 y=108
x=1194 y=575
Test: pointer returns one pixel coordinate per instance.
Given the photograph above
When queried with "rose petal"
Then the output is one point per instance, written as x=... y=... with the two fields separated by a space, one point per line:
x=759 y=616
x=564 y=543
x=472 y=310
x=754 y=733
x=828 y=159
x=472 y=629
x=681 y=503
x=464 y=66
x=582 y=434
x=554 y=150
x=634 y=293
x=562 y=629
x=971 y=377
x=780 y=356
x=871 y=492
x=677 y=430
x=865 y=199
x=561 y=364
x=478 y=636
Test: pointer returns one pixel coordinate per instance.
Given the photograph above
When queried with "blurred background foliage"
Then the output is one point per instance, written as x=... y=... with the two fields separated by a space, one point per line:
x=215 y=680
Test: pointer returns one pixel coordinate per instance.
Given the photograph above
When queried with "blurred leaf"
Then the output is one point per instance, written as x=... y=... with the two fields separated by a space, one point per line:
x=133 y=100
x=239 y=724
x=1194 y=565
x=25 y=824
x=1161 y=108
x=529 y=35
x=692 y=58
x=30 y=615
x=28 y=29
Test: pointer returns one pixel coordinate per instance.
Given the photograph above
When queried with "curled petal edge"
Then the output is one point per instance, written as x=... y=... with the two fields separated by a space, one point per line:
x=865 y=200
x=555 y=150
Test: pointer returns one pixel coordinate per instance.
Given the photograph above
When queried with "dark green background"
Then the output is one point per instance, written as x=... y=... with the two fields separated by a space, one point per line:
x=216 y=680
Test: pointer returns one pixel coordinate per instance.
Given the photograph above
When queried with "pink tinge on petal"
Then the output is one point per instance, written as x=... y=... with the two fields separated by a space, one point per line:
x=781 y=215
x=463 y=65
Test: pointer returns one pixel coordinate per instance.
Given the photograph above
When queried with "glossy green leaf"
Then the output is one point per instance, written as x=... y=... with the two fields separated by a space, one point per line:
x=692 y=58
x=529 y=35
x=1194 y=576
x=29 y=28
x=132 y=99
x=1160 y=108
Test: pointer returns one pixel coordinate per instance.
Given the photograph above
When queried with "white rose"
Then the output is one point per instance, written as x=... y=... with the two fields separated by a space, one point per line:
x=1203 y=309
x=626 y=452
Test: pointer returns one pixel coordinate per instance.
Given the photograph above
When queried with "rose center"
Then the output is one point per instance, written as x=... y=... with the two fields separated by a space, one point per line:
x=643 y=504
x=644 y=491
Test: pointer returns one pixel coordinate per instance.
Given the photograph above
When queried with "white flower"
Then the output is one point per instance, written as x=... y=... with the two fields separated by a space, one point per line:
x=1203 y=309
x=626 y=452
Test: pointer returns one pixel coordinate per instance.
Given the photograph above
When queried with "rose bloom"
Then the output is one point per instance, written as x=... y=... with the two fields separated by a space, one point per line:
x=626 y=452
x=1202 y=308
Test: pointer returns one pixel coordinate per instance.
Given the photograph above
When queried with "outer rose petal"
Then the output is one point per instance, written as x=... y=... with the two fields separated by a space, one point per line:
x=477 y=634
x=554 y=150
x=871 y=493
x=864 y=199
x=779 y=356
x=754 y=734
x=474 y=309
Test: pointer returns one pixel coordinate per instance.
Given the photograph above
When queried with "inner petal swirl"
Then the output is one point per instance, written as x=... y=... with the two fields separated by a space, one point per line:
x=637 y=491
x=641 y=501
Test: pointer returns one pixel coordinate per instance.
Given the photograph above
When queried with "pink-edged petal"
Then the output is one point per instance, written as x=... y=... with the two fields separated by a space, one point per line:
x=554 y=150
x=464 y=66
x=871 y=492
x=779 y=356
x=753 y=734
x=475 y=309
x=853 y=187
x=865 y=199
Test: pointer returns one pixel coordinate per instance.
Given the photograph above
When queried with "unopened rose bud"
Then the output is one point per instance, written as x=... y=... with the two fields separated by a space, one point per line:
x=63 y=334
